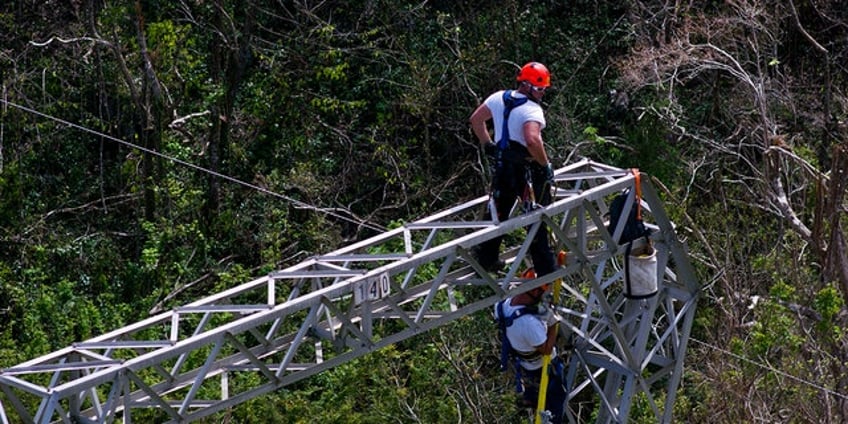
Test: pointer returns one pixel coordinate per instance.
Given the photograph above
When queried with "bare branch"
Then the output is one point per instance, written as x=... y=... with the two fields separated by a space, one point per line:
x=179 y=122
x=804 y=32
x=73 y=40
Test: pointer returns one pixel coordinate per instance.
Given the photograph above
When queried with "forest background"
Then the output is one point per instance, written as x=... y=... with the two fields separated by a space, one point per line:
x=346 y=116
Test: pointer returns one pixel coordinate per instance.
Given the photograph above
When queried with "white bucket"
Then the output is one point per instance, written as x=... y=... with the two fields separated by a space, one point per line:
x=640 y=272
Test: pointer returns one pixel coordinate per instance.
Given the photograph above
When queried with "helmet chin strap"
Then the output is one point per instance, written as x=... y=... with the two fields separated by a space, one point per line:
x=526 y=89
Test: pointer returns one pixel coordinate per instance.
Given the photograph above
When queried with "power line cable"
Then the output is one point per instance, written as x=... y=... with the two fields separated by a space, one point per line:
x=772 y=369
x=296 y=202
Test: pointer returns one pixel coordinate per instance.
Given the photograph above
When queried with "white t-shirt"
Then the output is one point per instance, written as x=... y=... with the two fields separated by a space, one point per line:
x=525 y=334
x=529 y=111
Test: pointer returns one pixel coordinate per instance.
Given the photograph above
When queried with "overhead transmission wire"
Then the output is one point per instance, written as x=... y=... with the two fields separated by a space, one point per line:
x=298 y=203
x=772 y=369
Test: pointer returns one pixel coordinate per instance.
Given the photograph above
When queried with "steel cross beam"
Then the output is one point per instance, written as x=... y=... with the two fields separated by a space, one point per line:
x=217 y=352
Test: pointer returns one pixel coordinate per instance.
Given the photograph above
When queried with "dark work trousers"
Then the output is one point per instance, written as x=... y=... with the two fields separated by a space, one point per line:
x=554 y=397
x=508 y=183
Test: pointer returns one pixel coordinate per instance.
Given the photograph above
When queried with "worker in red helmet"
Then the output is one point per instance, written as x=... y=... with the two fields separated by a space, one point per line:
x=527 y=332
x=519 y=155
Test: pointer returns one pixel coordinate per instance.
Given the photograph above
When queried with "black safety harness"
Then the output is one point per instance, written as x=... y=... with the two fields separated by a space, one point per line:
x=507 y=351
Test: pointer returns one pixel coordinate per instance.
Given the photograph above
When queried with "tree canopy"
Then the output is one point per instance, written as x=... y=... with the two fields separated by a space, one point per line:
x=154 y=151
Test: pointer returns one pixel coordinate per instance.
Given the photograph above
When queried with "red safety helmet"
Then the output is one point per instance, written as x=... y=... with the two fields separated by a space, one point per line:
x=535 y=74
x=530 y=274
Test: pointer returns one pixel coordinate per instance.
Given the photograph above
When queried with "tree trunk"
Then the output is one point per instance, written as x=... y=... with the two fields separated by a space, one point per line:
x=228 y=62
x=836 y=264
x=151 y=105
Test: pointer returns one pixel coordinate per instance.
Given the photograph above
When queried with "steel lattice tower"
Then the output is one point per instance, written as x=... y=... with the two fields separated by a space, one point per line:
x=296 y=322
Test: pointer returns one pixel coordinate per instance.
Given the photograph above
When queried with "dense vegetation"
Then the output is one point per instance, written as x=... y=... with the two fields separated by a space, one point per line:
x=155 y=151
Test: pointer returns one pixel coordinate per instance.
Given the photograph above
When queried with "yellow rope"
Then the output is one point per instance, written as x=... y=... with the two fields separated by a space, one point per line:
x=546 y=359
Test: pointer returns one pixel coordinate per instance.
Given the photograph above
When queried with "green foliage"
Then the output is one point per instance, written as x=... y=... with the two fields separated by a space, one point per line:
x=361 y=107
x=591 y=133
x=828 y=302
x=776 y=326
x=12 y=200
x=57 y=316
x=418 y=381
x=352 y=393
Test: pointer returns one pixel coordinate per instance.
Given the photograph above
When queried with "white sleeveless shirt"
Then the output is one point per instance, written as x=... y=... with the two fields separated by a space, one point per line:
x=525 y=334
x=529 y=111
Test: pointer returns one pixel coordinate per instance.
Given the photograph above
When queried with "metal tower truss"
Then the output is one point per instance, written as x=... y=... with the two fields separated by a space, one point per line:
x=263 y=335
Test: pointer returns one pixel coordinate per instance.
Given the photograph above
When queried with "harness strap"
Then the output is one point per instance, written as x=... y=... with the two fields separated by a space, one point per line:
x=527 y=356
x=509 y=104
x=638 y=183
x=503 y=151
x=506 y=347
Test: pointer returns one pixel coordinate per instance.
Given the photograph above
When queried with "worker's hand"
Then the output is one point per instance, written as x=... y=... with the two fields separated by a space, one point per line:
x=549 y=173
x=490 y=148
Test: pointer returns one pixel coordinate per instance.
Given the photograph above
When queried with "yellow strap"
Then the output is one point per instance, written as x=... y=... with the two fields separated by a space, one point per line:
x=546 y=360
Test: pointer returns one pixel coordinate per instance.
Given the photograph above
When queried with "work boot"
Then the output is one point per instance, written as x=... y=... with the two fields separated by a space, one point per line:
x=497 y=265
x=494 y=264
